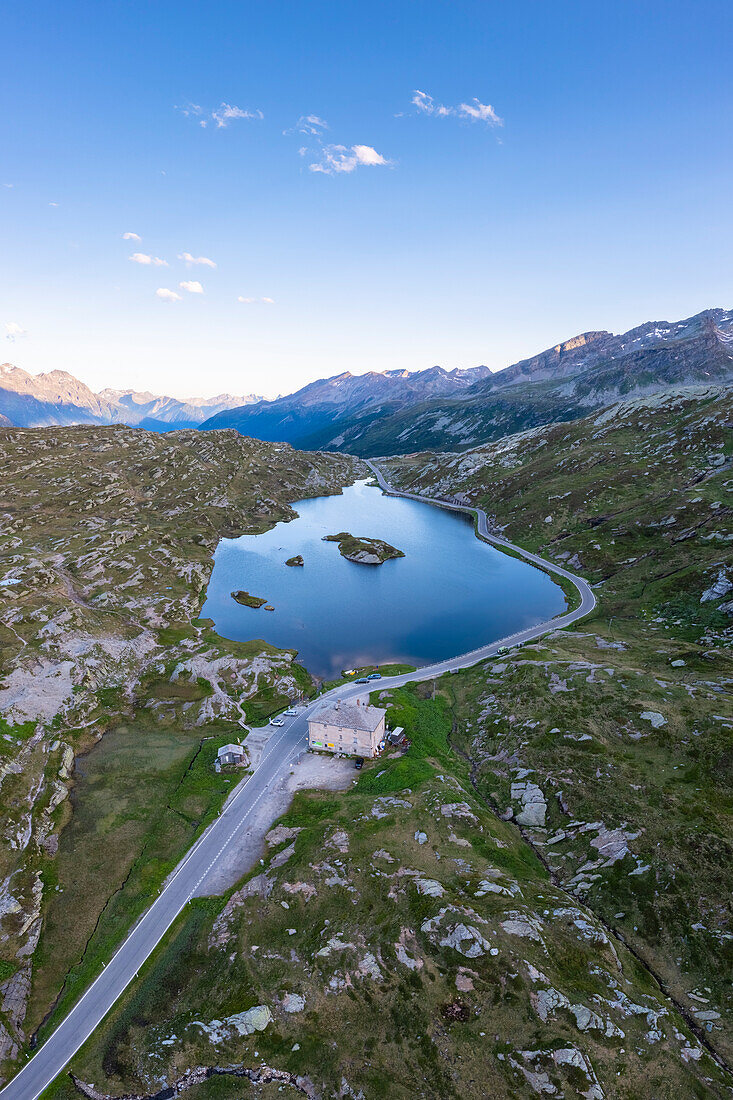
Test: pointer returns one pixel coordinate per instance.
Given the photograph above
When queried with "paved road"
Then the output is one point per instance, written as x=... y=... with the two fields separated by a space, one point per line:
x=284 y=747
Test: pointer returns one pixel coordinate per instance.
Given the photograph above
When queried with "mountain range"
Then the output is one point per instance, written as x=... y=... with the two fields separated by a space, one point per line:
x=58 y=398
x=399 y=412
x=323 y=410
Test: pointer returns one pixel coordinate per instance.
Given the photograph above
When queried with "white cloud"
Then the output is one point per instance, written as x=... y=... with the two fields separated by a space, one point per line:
x=53 y=204
x=131 y=237
x=168 y=295
x=14 y=331
x=476 y=111
x=335 y=159
x=225 y=113
x=309 y=124
x=256 y=301
x=188 y=259
x=483 y=112
x=427 y=104
x=221 y=116
x=143 y=258
x=192 y=286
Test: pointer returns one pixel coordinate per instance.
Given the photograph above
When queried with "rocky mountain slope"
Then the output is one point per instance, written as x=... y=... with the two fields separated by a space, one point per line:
x=114 y=696
x=57 y=398
x=376 y=415
x=535 y=898
x=620 y=731
x=323 y=408
x=563 y=383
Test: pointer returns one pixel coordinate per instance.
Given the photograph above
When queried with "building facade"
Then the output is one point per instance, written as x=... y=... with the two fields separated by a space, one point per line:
x=231 y=754
x=354 y=728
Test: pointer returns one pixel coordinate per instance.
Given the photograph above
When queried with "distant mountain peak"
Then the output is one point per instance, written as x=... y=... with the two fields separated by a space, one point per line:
x=57 y=397
x=580 y=341
x=398 y=411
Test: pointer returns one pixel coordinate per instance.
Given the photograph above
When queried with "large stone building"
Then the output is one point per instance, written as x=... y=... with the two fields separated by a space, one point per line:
x=354 y=728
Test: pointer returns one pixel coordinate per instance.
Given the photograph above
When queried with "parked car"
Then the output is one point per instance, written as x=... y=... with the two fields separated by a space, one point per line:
x=276 y=722
x=374 y=676
x=362 y=680
x=359 y=763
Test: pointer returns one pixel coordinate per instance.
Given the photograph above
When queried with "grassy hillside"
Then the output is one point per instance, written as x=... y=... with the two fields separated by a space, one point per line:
x=107 y=538
x=624 y=723
x=400 y=940
x=535 y=898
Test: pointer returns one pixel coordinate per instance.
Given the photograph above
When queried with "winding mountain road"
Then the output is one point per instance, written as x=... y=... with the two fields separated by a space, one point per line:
x=188 y=879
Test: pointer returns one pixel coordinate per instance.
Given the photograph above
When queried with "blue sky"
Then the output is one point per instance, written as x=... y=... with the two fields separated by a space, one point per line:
x=596 y=192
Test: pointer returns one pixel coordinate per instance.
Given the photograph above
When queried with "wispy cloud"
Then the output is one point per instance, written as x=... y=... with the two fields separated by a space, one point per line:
x=14 y=331
x=131 y=237
x=475 y=111
x=168 y=295
x=143 y=258
x=427 y=105
x=192 y=286
x=482 y=112
x=189 y=260
x=256 y=301
x=309 y=124
x=226 y=113
x=220 y=116
x=336 y=159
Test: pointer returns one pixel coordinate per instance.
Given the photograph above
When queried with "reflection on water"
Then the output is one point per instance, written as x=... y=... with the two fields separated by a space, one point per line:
x=449 y=594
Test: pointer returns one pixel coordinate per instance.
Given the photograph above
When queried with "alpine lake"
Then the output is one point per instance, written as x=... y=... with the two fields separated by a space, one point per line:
x=449 y=594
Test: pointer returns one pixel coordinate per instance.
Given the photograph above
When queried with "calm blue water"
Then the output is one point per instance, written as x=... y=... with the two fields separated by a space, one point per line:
x=449 y=594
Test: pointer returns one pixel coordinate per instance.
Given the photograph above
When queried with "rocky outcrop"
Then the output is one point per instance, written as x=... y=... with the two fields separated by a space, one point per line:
x=262 y=1075
x=365 y=551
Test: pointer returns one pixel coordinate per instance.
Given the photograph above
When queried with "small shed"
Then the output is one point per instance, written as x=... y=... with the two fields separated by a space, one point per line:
x=231 y=754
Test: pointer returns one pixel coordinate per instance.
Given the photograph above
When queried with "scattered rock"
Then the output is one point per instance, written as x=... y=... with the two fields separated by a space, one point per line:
x=720 y=587
x=534 y=807
x=241 y=1023
x=293 y=1002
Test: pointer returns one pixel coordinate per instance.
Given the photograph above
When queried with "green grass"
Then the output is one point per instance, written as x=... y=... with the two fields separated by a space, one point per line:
x=393 y=669
x=143 y=795
x=393 y=1036
x=247 y=600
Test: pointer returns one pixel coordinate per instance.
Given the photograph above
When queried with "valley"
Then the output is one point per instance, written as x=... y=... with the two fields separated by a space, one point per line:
x=532 y=781
x=107 y=539
x=540 y=872
x=366 y=551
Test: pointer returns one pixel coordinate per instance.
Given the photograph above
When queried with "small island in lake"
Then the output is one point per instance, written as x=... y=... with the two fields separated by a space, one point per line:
x=297 y=560
x=365 y=551
x=249 y=601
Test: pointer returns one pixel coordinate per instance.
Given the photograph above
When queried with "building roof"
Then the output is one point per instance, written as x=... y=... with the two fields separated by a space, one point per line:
x=238 y=750
x=350 y=716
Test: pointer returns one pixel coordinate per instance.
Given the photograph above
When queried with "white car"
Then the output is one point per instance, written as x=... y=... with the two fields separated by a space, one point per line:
x=291 y=711
x=276 y=722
